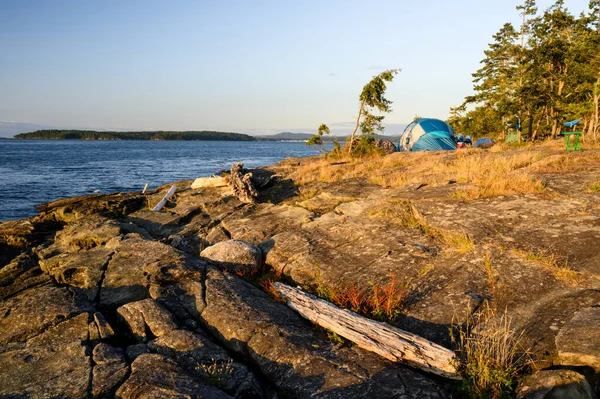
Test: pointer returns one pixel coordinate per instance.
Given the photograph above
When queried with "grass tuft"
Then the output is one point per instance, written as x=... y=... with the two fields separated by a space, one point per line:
x=593 y=187
x=217 y=373
x=491 y=353
x=380 y=302
x=407 y=215
x=557 y=265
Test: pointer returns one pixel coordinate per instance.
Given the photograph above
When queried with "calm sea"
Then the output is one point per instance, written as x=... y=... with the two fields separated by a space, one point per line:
x=38 y=171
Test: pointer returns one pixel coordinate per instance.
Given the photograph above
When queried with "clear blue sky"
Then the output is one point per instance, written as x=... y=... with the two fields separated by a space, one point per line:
x=257 y=66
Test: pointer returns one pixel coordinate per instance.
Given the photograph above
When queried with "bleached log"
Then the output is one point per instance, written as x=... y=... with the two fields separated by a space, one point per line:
x=242 y=184
x=387 y=341
x=213 y=181
x=162 y=202
x=145 y=188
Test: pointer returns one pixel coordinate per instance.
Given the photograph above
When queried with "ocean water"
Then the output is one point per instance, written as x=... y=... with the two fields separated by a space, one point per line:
x=33 y=172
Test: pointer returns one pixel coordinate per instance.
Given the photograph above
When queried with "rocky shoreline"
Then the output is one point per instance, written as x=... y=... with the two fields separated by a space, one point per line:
x=101 y=297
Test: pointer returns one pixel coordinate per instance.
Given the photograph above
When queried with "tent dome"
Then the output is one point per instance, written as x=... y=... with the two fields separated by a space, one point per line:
x=427 y=134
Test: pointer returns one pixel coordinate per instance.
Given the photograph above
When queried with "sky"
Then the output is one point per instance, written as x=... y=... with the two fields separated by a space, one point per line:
x=251 y=66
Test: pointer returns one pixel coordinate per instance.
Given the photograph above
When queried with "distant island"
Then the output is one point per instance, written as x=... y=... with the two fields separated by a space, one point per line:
x=195 y=135
x=156 y=135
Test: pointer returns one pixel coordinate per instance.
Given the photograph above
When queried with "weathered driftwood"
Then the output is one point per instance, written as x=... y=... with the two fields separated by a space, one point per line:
x=162 y=202
x=213 y=181
x=390 y=342
x=242 y=184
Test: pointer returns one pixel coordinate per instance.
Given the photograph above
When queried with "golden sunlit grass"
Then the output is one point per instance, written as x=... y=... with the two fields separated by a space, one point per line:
x=217 y=373
x=492 y=176
x=593 y=187
x=491 y=352
x=555 y=264
x=382 y=302
x=485 y=173
x=405 y=214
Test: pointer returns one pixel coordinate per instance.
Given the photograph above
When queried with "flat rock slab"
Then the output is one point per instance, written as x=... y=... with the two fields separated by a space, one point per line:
x=527 y=222
x=86 y=233
x=126 y=278
x=295 y=358
x=201 y=357
x=261 y=222
x=156 y=377
x=83 y=269
x=42 y=372
x=21 y=273
x=109 y=205
x=339 y=249
x=578 y=342
x=33 y=311
x=158 y=224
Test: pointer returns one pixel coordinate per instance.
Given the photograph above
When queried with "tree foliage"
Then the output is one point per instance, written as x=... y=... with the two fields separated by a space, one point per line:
x=534 y=79
x=372 y=98
x=316 y=141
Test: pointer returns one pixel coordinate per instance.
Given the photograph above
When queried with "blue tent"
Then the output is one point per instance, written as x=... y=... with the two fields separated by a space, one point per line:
x=427 y=134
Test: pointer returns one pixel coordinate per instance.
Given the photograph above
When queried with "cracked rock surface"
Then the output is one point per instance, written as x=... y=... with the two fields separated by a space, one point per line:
x=100 y=298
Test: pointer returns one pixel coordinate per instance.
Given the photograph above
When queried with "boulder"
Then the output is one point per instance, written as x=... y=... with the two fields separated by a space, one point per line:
x=146 y=314
x=555 y=384
x=578 y=341
x=235 y=256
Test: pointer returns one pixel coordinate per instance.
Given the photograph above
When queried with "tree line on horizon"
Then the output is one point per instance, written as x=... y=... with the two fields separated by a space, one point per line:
x=537 y=76
x=56 y=134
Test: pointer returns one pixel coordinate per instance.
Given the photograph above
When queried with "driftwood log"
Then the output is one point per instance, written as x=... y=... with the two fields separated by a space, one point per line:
x=162 y=202
x=241 y=183
x=387 y=341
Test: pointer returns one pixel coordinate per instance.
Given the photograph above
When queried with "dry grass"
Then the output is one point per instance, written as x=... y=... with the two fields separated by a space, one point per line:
x=491 y=353
x=492 y=275
x=380 y=302
x=491 y=173
x=491 y=176
x=405 y=214
x=593 y=187
x=217 y=373
x=555 y=264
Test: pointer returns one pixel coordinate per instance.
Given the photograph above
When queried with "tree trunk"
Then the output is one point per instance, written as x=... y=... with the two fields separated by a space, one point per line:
x=594 y=122
x=381 y=338
x=360 y=112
